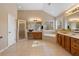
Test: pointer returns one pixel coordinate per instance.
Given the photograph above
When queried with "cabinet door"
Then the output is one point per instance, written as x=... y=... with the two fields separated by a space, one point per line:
x=67 y=43
x=40 y=35
x=62 y=39
x=58 y=38
x=75 y=51
x=37 y=35
x=30 y=35
x=75 y=46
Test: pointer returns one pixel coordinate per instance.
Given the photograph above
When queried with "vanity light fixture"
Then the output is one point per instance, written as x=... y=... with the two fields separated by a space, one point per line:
x=35 y=19
x=73 y=10
x=74 y=20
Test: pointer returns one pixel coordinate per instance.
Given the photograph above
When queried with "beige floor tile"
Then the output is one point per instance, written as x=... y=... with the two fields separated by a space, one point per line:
x=43 y=47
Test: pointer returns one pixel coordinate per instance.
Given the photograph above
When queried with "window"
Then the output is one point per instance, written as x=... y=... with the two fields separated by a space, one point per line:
x=49 y=25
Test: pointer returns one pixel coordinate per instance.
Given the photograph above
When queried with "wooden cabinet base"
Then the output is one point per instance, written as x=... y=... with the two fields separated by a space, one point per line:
x=74 y=52
x=34 y=35
x=75 y=46
x=69 y=43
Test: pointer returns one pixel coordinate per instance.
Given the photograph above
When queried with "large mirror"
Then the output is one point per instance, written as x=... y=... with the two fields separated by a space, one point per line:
x=72 y=24
x=34 y=24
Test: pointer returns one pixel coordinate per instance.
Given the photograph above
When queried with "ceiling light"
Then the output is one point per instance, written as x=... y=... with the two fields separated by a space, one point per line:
x=35 y=19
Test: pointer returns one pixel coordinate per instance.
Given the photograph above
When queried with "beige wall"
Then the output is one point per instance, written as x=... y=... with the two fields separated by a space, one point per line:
x=5 y=9
x=25 y=14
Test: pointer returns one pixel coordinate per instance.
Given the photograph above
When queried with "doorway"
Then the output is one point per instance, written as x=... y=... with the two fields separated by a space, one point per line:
x=21 y=29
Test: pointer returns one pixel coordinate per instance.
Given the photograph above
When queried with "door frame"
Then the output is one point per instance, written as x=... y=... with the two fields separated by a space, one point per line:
x=21 y=21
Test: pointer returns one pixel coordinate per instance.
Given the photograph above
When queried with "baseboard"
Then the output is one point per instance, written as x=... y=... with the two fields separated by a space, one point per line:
x=12 y=44
x=3 y=49
x=6 y=48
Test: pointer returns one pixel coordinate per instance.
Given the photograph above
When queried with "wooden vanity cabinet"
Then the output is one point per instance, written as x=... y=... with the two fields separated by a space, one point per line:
x=75 y=46
x=62 y=40
x=59 y=39
x=34 y=35
x=37 y=35
x=67 y=43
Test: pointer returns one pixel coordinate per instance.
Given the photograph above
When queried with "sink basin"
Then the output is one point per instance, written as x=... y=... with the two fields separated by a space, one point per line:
x=75 y=33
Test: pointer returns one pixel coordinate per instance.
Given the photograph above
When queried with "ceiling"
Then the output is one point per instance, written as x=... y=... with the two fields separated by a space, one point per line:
x=30 y=6
x=52 y=8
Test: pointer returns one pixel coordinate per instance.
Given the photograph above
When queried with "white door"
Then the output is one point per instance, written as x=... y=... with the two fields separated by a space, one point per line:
x=11 y=30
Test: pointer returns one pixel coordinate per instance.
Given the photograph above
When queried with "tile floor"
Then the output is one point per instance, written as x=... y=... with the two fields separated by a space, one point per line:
x=35 y=48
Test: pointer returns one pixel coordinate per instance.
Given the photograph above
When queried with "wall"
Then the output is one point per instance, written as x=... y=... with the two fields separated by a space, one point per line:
x=5 y=9
x=26 y=14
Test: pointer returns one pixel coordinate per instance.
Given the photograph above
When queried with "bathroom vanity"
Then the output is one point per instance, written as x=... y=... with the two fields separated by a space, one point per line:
x=69 y=42
x=34 y=35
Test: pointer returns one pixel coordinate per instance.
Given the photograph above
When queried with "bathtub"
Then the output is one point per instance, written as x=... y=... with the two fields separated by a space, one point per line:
x=49 y=33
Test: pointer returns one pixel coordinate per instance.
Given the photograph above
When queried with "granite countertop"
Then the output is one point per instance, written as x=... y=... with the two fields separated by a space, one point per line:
x=70 y=34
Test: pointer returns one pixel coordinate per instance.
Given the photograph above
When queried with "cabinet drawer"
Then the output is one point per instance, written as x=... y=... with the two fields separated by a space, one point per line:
x=74 y=51
x=75 y=40
x=75 y=45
